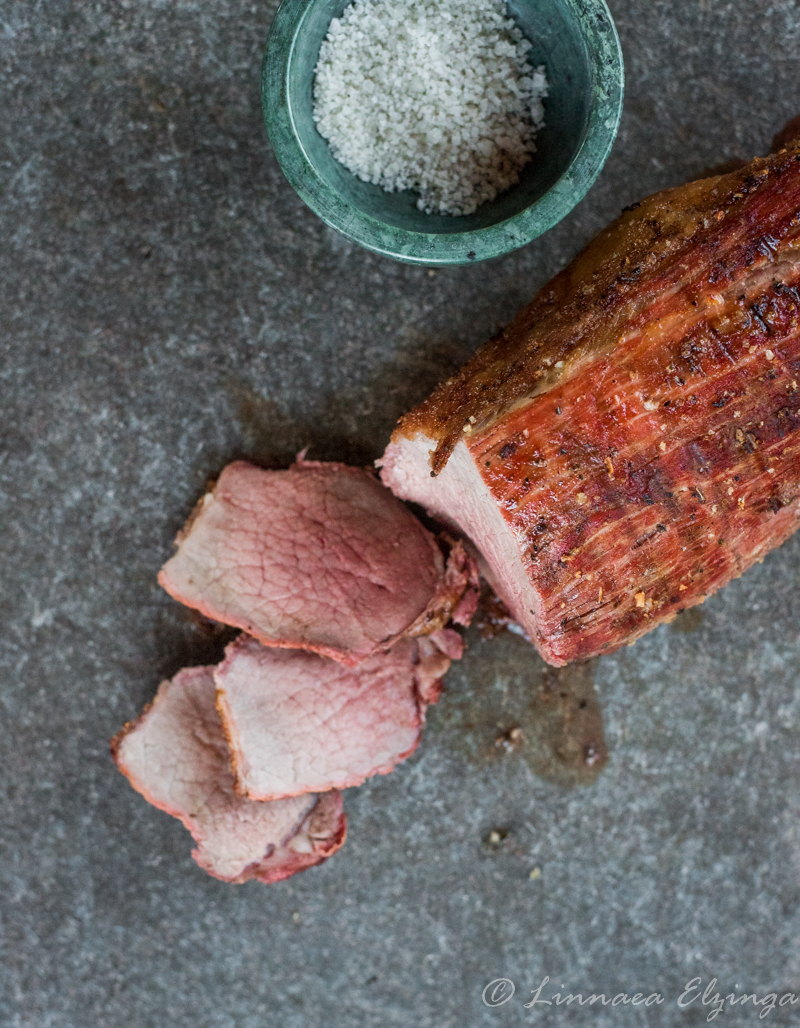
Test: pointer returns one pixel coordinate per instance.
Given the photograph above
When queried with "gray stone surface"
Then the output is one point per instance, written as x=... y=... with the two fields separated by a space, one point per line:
x=168 y=304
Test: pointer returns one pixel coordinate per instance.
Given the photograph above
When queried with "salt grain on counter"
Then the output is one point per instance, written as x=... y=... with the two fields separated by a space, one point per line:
x=432 y=95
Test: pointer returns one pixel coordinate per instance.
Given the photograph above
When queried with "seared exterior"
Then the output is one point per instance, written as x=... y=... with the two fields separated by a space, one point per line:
x=637 y=424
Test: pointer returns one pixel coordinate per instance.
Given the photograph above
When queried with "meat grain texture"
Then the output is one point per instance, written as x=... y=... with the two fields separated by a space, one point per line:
x=298 y=723
x=319 y=557
x=175 y=754
x=320 y=561
x=629 y=443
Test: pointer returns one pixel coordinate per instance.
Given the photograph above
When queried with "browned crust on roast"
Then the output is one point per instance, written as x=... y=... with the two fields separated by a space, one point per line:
x=581 y=311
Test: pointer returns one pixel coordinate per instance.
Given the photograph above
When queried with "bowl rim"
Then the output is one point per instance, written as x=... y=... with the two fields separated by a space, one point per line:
x=431 y=248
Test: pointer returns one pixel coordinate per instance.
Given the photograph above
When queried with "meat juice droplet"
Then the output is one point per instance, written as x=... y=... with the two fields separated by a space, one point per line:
x=549 y=717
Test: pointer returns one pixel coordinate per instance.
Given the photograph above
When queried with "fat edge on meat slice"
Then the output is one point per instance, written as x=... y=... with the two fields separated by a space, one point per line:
x=629 y=443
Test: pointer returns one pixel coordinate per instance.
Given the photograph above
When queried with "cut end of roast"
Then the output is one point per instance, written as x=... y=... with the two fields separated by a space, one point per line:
x=459 y=498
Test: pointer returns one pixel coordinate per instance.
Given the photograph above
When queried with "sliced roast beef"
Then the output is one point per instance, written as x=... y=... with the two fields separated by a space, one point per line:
x=297 y=722
x=631 y=441
x=319 y=557
x=176 y=756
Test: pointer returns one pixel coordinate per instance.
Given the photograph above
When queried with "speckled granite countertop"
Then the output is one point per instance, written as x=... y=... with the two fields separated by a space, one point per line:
x=167 y=304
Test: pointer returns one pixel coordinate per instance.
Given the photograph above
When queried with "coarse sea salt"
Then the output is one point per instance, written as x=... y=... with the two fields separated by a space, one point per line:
x=432 y=95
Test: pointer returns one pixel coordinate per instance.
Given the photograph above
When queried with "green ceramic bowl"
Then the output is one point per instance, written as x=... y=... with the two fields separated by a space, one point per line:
x=576 y=41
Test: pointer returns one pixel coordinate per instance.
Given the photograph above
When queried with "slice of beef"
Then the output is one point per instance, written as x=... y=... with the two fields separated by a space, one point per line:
x=631 y=441
x=319 y=557
x=176 y=756
x=297 y=722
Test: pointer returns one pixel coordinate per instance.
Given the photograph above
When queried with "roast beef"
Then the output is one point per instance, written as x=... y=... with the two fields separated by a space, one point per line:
x=176 y=756
x=298 y=723
x=630 y=443
x=319 y=557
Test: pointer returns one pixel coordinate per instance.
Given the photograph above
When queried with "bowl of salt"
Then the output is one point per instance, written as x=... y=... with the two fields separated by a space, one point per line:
x=442 y=132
